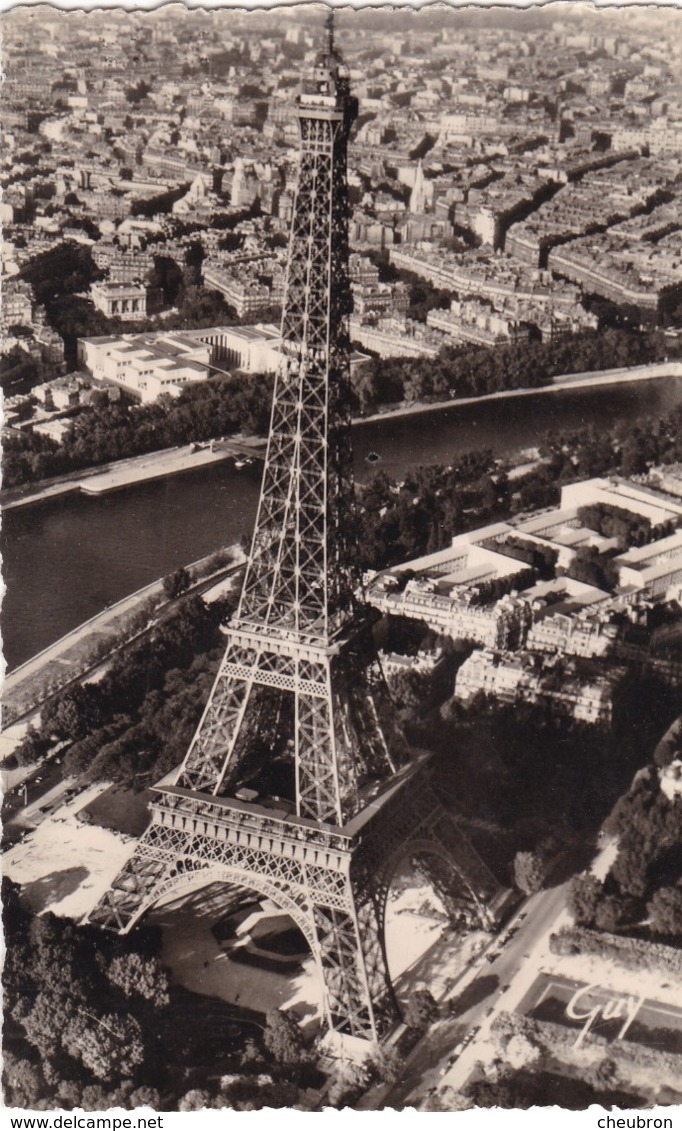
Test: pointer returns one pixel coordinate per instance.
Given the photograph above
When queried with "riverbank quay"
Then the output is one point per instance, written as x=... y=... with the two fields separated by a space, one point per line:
x=138 y=469
x=80 y=653
x=564 y=383
x=171 y=461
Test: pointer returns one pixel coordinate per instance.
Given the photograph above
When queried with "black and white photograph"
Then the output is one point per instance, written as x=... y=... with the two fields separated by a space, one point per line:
x=341 y=745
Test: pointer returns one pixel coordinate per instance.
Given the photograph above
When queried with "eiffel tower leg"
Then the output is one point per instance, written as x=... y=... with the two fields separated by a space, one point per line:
x=338 y=908
x=359 y=998
x=126 y=900
x=415 y=825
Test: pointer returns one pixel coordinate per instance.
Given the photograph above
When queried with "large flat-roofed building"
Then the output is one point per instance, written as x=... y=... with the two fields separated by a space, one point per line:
x=656 y=567
x=146 y=365
x=560 y=530
x=492 y=586
x=253 y=349
x=622 y=493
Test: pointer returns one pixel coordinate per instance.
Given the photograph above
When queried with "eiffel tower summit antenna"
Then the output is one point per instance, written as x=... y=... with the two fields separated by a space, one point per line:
x=299 y=707
x=329 y=28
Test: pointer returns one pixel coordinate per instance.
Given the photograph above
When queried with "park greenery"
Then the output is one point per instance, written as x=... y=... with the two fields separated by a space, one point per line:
x=630 y=1073
x=91 y=1020
x=474 y=371
x=536 y=1064
x=614 y=522
x=640 y=897
x=134 y=725
x=523 y=1088
x=640 y=955
x=107 y=432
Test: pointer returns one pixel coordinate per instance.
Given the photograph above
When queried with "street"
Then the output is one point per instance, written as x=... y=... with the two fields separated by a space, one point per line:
x=496 y=981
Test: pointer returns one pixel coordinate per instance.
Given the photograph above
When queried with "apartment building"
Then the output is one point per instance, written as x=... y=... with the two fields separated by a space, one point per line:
x=249 y=289
x=655 y=568
x=396 y=337
x=511 y=677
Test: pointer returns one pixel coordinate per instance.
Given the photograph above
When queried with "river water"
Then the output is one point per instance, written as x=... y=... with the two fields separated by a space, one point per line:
x=67 y=559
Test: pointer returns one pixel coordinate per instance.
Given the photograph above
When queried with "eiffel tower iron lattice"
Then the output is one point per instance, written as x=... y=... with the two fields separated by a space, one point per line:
x=300 y=683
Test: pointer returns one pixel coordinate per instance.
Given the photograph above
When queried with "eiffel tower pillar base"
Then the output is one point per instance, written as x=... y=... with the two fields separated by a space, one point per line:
x=333 y=881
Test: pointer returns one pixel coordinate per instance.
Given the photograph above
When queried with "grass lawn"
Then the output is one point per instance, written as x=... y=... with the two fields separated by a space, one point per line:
x=121 y=810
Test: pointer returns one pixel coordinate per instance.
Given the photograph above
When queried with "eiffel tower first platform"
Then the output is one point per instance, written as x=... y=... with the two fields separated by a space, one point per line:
x=300 y=690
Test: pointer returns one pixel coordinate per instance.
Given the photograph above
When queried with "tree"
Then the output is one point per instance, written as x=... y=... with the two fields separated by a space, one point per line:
x=97 y=1098
x=145 y=1097
x=254 y=1093
x=609 y=913
x=583 y=897
x=633 y=458
x=251 y=1057
x=43 y=1024
x=528 y=872
x=23 y=1080
x=283 y=1038
x=629 y=869
x=31 y=749
x=176 y=583
x=421 y=1010
x=665 y=911
x=195 y=1100
x=69 y=1093
x=409 y=690
x=521 y=1052
x=386 y=1064
x=136 y=94
x=110 y=1046
x=606 y=1074
x=349 y=1081
x=72 y=714
x=136 y=975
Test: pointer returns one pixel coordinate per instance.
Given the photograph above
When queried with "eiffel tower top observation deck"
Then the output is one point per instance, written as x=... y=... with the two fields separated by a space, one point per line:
x=301 y=575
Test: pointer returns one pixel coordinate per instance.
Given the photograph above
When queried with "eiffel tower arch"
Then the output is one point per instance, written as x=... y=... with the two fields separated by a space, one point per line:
x=299 y=696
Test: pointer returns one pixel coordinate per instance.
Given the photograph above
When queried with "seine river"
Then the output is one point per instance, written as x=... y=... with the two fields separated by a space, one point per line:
x=65 y=560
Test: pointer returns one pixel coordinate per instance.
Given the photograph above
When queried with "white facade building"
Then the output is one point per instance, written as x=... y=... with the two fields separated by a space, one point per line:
x=127 y=301
x=146 y=365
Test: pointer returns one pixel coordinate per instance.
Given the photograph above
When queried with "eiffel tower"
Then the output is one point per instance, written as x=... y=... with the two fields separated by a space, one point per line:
x=300 y=691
